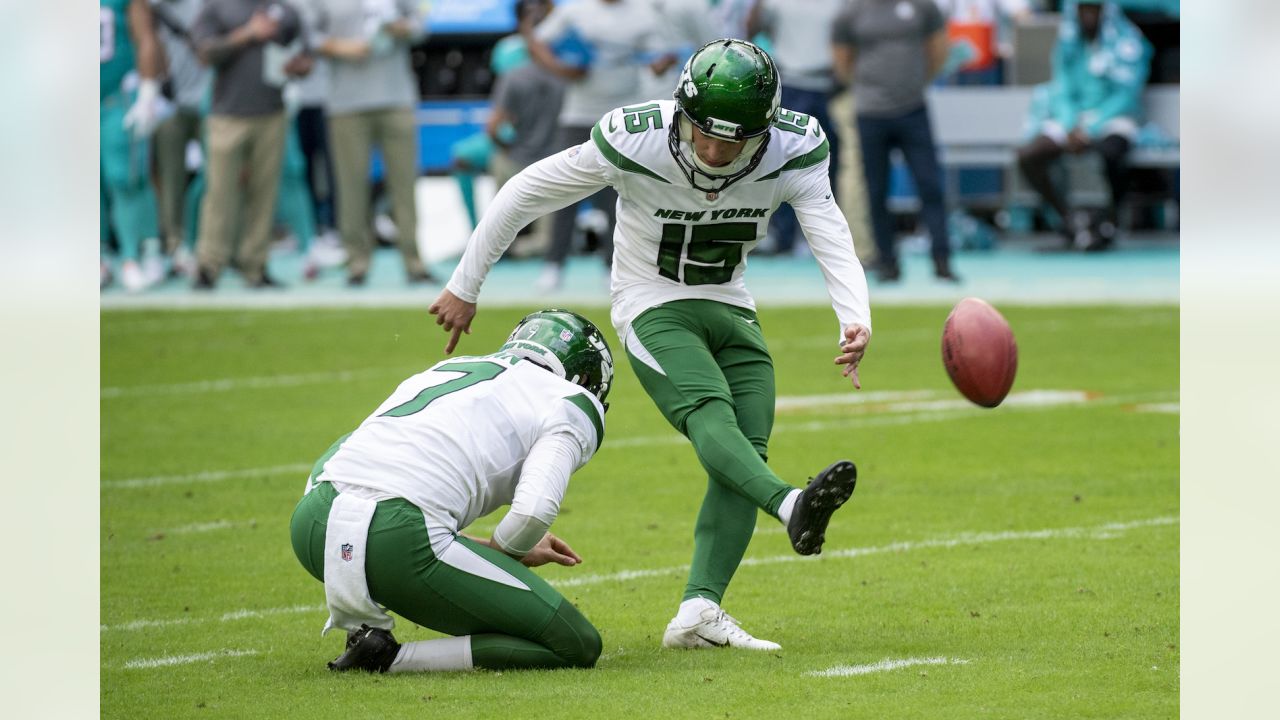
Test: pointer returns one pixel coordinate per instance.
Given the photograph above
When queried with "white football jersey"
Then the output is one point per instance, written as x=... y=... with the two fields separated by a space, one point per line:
x=672 y=241
x=453 y=439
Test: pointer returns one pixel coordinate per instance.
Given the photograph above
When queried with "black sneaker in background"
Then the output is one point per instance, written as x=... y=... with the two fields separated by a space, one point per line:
x=820 y=498
x=204 y=280
x=266 y=282
x=368 y=649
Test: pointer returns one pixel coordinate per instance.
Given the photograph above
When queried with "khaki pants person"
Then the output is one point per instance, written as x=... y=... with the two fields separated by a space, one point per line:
x=351 y=138
x=252 y=147
x=169 y=146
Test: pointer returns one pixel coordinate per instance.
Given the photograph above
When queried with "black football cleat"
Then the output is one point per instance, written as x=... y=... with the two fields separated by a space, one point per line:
x=368 y=649
x=822 y=496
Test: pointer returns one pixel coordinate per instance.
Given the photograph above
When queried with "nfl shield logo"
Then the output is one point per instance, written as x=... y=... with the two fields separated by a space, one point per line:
x=346 y=551
x=565 y=335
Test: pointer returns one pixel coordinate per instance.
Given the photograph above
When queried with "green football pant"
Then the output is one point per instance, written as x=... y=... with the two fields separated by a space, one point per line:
x=514 y=618
x=706 y=366
x=130 y=205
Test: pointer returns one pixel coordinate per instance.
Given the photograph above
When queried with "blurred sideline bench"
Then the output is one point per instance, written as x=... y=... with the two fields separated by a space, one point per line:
x=983 y=126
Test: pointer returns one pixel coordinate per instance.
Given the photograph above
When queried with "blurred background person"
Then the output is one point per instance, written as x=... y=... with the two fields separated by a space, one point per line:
x=188 y=87
x=1100 y=67
x=372 y=98
x=474 y=154
x=245 y=132
x=313 y=141
x=523 y=121
x=890 y=50
x=686 y=26
x=797 y=30
x=130 y=107
x=598 y=47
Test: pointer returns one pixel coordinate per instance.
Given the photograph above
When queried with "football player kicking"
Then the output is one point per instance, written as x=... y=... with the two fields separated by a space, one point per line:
x=697 y=180
x=380 y=522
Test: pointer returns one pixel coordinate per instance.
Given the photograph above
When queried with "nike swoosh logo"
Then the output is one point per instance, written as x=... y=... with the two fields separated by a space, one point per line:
x=612 y=127
x=828 y=197
x=709 y=641
x=748 y=321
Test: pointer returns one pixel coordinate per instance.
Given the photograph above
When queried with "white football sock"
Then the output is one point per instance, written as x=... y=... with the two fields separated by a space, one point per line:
x=434 y=655
x=788 y=504
x=690 y=612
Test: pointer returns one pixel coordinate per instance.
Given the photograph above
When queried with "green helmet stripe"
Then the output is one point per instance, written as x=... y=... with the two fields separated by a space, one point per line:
x=589 y=410
x=807 y=160
x=620 y=161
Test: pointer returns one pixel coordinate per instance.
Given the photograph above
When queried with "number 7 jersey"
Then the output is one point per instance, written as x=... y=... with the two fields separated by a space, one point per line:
x=672 y=241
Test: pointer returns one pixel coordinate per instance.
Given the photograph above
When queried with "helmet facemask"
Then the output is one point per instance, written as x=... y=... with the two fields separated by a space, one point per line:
x=729 y=90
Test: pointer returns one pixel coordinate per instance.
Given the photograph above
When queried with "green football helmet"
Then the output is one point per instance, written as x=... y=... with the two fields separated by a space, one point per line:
x=566 y=344
x=730 y=90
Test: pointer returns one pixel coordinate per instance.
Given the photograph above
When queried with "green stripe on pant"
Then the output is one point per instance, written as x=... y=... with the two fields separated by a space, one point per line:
x=510 y=628
x=717 y=388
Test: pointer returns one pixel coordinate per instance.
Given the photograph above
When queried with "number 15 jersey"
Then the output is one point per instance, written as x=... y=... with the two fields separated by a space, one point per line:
x=672 y=241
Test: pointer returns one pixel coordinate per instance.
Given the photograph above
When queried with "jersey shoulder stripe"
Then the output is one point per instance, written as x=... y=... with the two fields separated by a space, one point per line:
x=616 y=156
x=588 y=408
x=807 y=160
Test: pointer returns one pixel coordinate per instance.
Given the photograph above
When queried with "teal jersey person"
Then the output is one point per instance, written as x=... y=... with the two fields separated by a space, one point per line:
x=130 y=107
x=1092 y=104
x=383 y=518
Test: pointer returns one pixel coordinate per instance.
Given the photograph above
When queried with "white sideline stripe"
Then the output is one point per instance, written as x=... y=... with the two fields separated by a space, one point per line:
x=166 y=661
x=884 y=666
x=1100 y=532
x=1106 y=531
x=1172 y=408
x=940 y=411
x=261 y=382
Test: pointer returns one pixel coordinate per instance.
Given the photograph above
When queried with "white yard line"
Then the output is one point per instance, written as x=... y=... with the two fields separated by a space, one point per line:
x=262 y=382
x=1106 y=531
x=884 y=666
x=911 y=408
x=210 y=476
x=1100 y=532
x=169 y=660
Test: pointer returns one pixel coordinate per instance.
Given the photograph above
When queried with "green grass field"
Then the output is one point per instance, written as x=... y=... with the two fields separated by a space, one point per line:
x=1018 y=563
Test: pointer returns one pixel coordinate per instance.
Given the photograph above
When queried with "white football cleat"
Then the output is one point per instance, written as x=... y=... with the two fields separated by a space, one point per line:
x=550 y=279
x=715 y=628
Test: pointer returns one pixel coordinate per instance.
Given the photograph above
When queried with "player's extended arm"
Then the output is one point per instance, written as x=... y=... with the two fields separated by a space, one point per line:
x=543 y=187
x=829 y=239
x=544 y=478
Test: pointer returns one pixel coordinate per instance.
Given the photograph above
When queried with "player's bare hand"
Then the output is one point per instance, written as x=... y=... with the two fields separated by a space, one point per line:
x=551 y=549
x=454 y=315
x=852 y=349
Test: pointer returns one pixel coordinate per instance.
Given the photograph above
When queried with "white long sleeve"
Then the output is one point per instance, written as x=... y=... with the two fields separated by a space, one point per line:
x=544 y=187
x=827 y=232
x=544 y=478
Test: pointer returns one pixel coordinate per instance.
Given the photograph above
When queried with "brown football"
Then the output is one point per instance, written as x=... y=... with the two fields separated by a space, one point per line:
x=979 y=352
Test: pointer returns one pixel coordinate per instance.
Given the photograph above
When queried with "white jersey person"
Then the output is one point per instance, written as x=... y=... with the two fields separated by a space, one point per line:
x=697 y=180
x=380 y=524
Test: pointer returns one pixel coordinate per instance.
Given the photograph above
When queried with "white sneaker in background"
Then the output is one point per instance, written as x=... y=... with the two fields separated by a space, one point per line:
x=132 y=277
x=550 y=279
x=184 y=262
x=713 y=628
x=326 y=251
x=154 y=267
x=104 y=274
